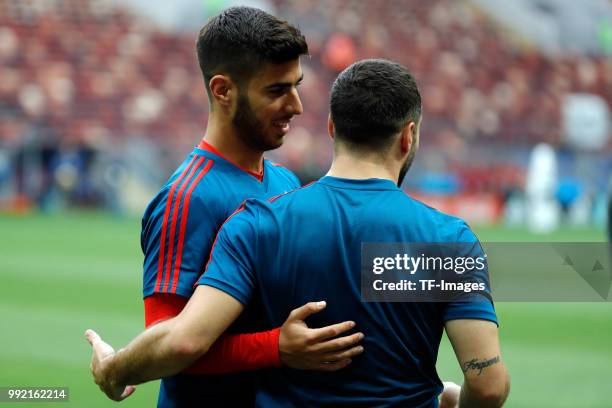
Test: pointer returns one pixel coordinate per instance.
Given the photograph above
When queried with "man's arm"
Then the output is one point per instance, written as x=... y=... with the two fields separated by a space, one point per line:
x=485 y=379
x=293 y=344
x=172 y=345
x=166 y=348
x=231 y=352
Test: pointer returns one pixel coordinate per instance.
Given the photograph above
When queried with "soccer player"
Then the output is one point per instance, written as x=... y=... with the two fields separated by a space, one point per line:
x=250 y=63
x=306 y=245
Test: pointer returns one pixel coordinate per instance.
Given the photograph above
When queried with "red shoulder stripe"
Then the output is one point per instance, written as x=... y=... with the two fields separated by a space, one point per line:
x=184 y=215
x=162 y=241
x=273 y=199
x=212 y=248
x=171 y=240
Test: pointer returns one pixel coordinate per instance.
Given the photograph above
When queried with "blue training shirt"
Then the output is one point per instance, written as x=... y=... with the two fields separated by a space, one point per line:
x=178 y=229
x=306 y=246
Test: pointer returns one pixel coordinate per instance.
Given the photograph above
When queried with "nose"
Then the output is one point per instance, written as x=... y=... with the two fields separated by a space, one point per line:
x=294 y=105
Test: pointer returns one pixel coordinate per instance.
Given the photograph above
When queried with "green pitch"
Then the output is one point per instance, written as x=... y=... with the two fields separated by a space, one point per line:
x=63 y=274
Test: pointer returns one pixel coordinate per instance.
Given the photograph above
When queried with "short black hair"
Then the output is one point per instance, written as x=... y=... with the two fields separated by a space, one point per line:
x=371 y=101
x=239 y=40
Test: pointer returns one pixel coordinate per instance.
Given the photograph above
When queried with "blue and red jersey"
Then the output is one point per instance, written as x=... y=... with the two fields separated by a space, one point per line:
x=306 y=246
x=178 y=229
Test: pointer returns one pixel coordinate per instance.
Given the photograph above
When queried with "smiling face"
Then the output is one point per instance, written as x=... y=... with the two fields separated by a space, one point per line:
x=266 y=105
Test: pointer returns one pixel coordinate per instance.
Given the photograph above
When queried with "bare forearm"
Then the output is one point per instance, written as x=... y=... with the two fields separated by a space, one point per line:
x=155 y=353
x=166 y=348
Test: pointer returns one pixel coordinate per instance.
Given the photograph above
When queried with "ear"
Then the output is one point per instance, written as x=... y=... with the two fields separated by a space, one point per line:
x=222 y=89
x=407 y=137
x=330 y=127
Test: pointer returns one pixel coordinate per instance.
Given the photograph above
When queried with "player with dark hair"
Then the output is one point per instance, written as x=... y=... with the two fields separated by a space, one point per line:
x=382 y=114
x=251 y=68
x=307 y=245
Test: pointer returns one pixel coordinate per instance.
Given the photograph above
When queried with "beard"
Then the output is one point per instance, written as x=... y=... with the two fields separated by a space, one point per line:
x=406 y=165
x=250 y=128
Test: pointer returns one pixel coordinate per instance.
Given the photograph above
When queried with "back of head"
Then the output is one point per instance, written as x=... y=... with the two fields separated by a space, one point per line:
x=240 y=40
x=372 y=101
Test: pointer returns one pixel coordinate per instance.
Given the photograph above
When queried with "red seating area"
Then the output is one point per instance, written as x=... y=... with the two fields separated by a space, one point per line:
x=89 y=72
x=96 y=73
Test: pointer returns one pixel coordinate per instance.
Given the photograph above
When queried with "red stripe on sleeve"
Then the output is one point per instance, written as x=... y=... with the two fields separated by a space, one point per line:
x=184 y=215
x=173 y=223
x=212 y=248
x=162 y=306
x=162 y=242
x=230 y=353
x=240 y=352
x=273 y=199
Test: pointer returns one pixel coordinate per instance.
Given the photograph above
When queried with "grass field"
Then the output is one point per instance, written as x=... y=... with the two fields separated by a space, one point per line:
x=63 y=274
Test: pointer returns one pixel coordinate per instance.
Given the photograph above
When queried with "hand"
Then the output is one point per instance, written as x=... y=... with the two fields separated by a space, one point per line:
x=316 y=349
x=101 y=355
x=450 y=395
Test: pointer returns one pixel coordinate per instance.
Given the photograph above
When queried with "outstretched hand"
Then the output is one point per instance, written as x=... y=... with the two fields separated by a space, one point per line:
x=316 y=349
x=101 y=355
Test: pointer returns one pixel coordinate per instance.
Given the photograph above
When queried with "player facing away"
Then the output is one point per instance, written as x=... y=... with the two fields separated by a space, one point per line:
x=250 y=63
x=306 y=245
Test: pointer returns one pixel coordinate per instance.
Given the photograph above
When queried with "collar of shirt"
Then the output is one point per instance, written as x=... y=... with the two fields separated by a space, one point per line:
x=359 y=184
x=207 y=147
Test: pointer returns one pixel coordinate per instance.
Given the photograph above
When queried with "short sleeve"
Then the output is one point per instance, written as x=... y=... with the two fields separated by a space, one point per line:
x=480 y=306
x=231 y=264
x=176 y=239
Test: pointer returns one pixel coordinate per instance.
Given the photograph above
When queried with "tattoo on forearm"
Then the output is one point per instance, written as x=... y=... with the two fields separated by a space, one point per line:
x=475 y=364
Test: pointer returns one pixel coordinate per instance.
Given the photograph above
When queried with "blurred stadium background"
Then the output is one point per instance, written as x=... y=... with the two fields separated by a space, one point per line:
x=100 y=99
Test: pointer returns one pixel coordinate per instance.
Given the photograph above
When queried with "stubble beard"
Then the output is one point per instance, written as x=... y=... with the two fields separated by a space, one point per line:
x=406 y=166
x=249 y=128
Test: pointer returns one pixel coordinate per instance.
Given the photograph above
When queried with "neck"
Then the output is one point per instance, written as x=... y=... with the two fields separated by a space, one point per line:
x=348 y=166
x=223 y=136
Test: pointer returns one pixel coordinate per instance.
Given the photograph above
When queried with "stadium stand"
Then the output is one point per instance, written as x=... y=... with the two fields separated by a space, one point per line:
x=86 y=75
